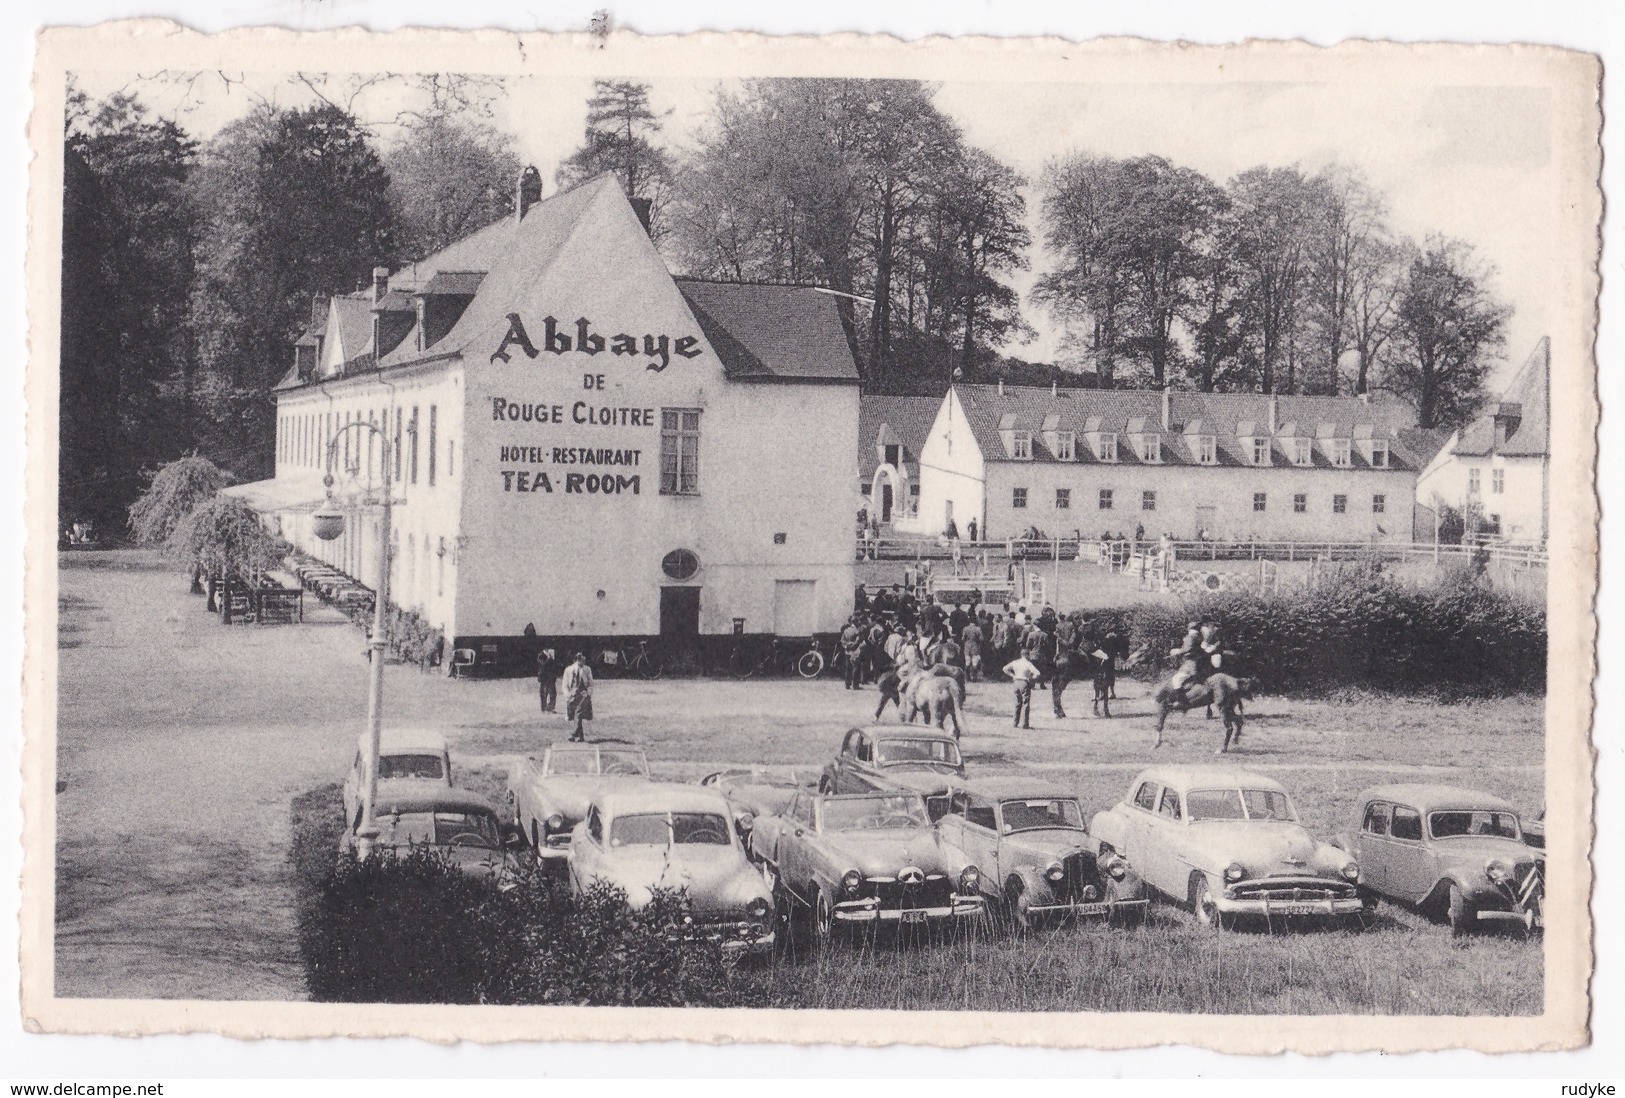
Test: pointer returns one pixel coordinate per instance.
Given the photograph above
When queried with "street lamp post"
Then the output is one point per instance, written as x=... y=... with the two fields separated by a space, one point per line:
x=328 y=524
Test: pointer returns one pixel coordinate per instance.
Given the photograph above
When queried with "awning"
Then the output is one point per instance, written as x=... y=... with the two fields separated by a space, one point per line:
x=302 y=492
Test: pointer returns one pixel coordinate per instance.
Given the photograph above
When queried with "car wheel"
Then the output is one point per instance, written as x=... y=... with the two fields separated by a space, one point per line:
x=1460 y=912
x=1207 y=912
x=823 y=921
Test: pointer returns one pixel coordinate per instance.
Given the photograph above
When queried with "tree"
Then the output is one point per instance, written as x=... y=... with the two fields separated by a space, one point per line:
x=1375 y=273
x=294 y=203
x=447 y=179
x=1089 y=284
x=224 y=537
x=621 y=134
x=177 y=489
x=1345 y=232
x=128 y=231
x=1274 y=210
x=1447 y=331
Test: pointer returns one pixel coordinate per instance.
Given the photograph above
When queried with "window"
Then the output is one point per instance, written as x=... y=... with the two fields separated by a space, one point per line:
x=1340 y=453
x=1018 y=497
x=1407 y=824
x=434 y=448
x=680 y=564
x=1207 y=450
x=1065 y=446
x=412 y=459
x=1151 y=449
x=1300 y=503
x=1261 y=451
x=1105 y=499
x=1376 y=819
x=1021 y=445
x=981 y=815
x=894 y=456
x=1146 y=796
x=1260 y=501
x=679 y=451
x=1472 y=482
x=914 y=499
x=1148 y=500
x=1379 y=504
x=1379 y=453
x=1063 y=499
x=1340 y=504
x=1498 y=481
x=1169 y=805
x=1302 y=451
x=396 y=472
x=1108 y=447
x=451 y=457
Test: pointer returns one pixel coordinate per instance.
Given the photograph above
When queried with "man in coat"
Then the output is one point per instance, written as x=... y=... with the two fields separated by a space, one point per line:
x=578 y=695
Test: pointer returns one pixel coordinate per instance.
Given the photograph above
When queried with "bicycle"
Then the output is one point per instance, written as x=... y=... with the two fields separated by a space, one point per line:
x=638 y=661
x=780 y=655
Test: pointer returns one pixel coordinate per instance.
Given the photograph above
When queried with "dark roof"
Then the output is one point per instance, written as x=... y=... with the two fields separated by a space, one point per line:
x=454 y=282
x=1528 y=425
x=1424 y=442
x=409 y=797
x=1230 y=418
x=396 y=302
x=773 y=332
x=910 y=419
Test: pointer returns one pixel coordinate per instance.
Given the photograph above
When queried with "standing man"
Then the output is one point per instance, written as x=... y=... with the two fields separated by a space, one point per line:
x=1023 y=674
x=970 y=529
x=578 y=695
x=547 y=678
x=852 y=649
x=972 y=640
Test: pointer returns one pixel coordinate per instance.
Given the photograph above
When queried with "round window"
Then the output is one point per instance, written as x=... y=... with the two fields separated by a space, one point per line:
x=1213 y=582
x=680 y=564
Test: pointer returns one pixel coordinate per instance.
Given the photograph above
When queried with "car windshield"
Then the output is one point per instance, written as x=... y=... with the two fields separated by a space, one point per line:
x=622 y=762
x=572 y=762
x=668 y=828
x=1453 y=824
x=1041 y=812
x=939 y=752
x=883 y=811
x=440 y=829
x=1238 y=804
x=410 y=766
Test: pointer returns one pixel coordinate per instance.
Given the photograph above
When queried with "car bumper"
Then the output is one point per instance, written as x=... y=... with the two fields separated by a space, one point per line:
x=1334 y=905
x=550 y=854
x=1101 y=909
x=737 y=939
x=869 y=910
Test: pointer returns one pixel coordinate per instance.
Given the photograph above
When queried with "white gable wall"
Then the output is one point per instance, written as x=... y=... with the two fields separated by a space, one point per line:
x=952 y=475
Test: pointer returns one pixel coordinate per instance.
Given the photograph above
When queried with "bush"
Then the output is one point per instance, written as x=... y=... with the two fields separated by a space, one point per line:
x=411 y=928
x=1458 y=637
x=177 y=489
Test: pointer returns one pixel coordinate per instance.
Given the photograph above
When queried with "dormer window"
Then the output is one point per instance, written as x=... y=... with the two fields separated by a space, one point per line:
x=1341 y=457
x=1207 y=450
x=1302 y=451
x=1261 y=451
x=1106 y=449
x=1064 y=446
x=1021 y=445
x=1151 y=449
x=1379 y=453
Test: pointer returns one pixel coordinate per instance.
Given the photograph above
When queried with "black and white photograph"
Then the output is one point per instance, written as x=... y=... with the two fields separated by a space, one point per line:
x=798 y=538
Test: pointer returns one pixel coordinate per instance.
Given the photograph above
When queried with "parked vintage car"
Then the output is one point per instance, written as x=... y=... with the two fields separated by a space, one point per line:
x=1228 y=842
x=1534 y=828
x=756 y=791
x=862 y=858
x=1036 y=861
x=549 y=796
x=1458 y=853
x=408 y=757
x=920 y=758
x=458 y=823
x=651 y=835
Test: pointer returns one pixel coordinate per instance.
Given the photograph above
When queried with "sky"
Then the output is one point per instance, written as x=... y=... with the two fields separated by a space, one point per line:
x=1471 y=163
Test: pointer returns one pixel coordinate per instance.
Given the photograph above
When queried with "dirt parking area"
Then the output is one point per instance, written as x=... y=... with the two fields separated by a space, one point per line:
x=182 y=744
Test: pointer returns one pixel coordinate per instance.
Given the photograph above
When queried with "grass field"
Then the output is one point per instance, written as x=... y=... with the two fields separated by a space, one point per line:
x=190 y=753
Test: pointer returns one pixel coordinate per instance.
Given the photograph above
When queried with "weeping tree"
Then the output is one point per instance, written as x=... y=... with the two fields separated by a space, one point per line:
x=224 y=537
x=177 y=489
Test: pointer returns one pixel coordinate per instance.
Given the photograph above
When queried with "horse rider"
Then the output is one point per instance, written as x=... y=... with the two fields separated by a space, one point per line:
x=1189 y=657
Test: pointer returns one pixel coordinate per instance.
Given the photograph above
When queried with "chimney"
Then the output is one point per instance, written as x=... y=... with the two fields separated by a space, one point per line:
x=644 y=208
x=1054 y=387
x=1001 y=386
x=318 y=308
x=380 y=283
x=1274 y=406
x=528 y=193
x=1167 y=407
x=1365 y=397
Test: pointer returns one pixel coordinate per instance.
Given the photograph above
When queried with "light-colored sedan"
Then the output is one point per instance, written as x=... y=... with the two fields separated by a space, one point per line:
x=657 y=835
x=1228 y=842
x=549 y=795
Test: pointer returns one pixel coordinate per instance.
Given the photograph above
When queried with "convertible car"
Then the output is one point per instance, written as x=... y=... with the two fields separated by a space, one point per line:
x=918 y=758
x=862 y=859
x=549 y=795
x=667 y=836
x=1228 y=842
x=1454 y=852
x=1036 y=861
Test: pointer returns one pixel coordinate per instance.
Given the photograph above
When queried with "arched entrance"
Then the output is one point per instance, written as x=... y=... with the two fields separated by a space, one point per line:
x=888 y=491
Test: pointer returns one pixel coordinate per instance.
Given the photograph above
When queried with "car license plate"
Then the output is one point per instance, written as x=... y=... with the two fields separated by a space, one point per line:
x=913 y=916
x=1091 y=909
x=1295 y=909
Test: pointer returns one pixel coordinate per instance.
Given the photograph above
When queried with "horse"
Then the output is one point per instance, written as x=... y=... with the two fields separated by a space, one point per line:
x=936 y=697
x=1219 y=690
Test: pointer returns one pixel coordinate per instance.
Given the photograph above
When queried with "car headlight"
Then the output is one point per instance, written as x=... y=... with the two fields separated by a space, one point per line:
x=1498 y=871
x=1351 y=872
x=1055 y=873
x=969 y=878
x=555 y=822
x=1114 y=865
x=851 y=881
x=758 y=908
x=1234 y=872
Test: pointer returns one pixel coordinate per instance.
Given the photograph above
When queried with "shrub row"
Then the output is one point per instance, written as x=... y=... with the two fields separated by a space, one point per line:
x=412 y=639
x=1456 y=637
x=414 y=929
